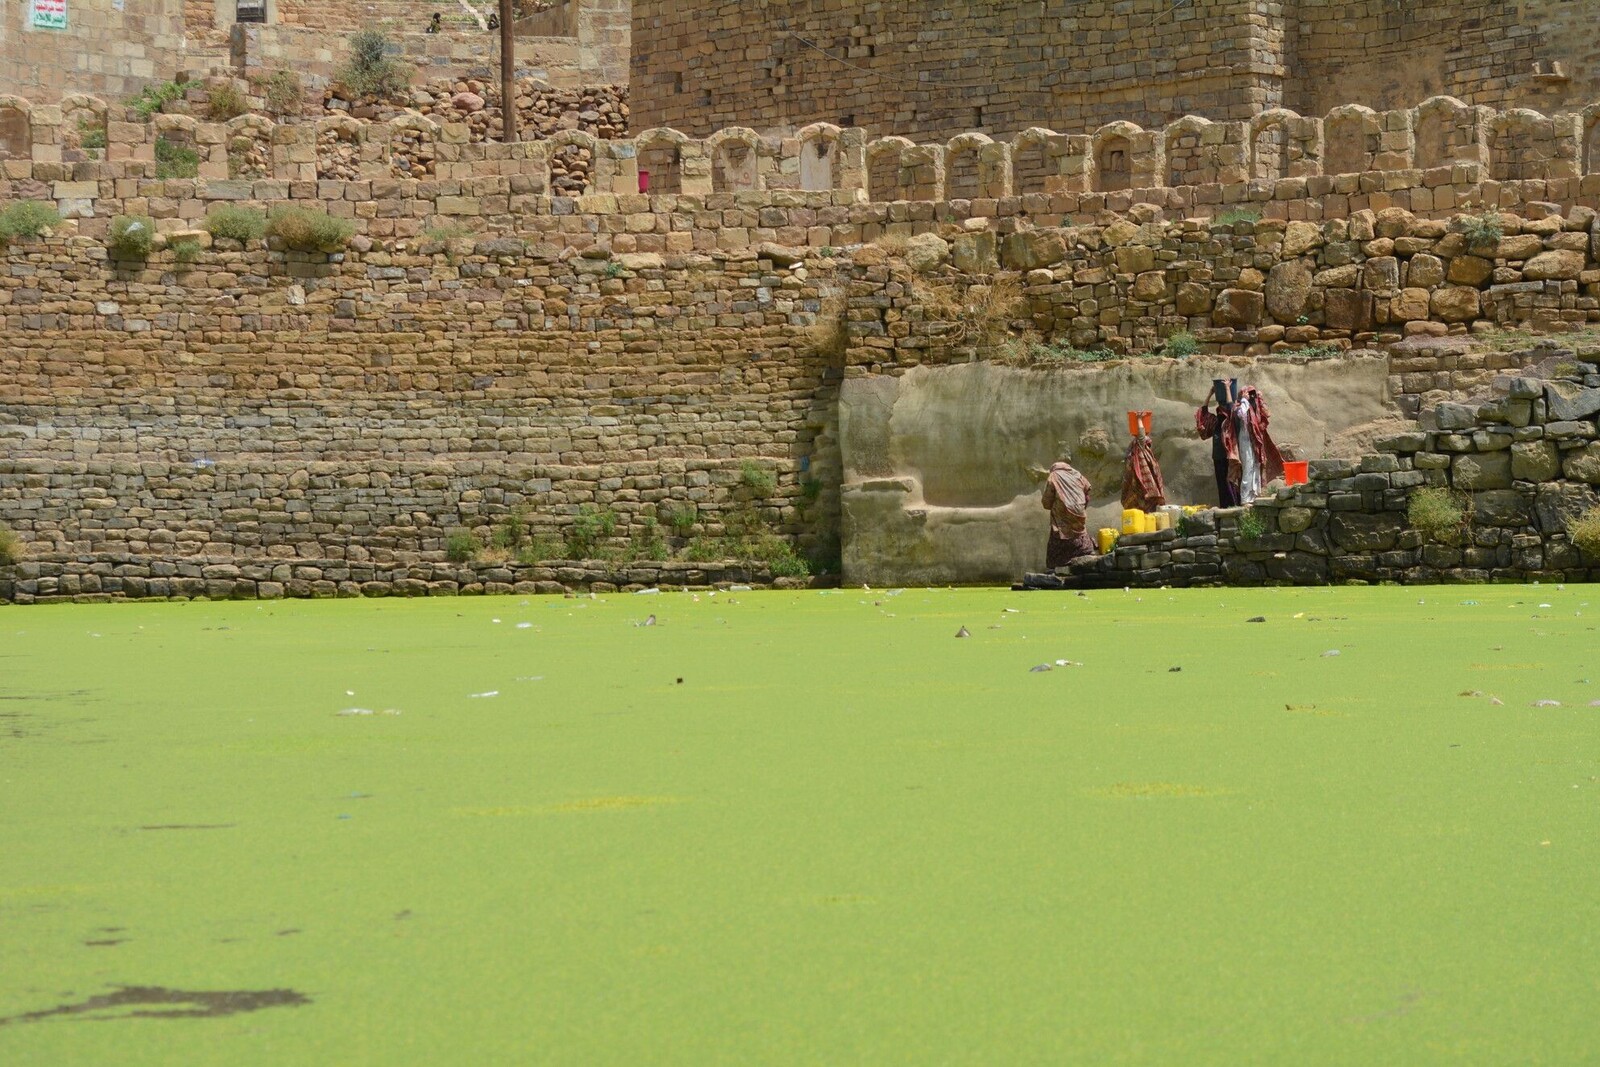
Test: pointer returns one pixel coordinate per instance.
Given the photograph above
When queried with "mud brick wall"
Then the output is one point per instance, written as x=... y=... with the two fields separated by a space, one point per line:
x=1524 y=463
x=258 y=406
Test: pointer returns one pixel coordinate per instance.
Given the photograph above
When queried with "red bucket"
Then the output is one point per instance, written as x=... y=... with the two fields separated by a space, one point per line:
x=1296 y=472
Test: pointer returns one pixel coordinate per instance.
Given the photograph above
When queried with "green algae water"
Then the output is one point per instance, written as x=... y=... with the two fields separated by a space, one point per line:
x=804 y=828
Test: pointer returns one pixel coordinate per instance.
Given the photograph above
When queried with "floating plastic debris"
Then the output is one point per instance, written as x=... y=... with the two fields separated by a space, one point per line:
x=1330 y=652
x=1039 y=668
x=645 y=592
x=530 y=678
x=963 y=632
x=355 y=711
x=490 y=693
x=1257 y=618
x=1545 y=704
x=524 y=625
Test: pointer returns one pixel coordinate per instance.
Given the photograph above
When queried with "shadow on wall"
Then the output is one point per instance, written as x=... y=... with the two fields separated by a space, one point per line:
x=943 y=465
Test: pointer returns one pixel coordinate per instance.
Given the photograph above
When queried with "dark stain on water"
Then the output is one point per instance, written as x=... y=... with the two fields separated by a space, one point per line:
x=156 y=1002
x=106 y=942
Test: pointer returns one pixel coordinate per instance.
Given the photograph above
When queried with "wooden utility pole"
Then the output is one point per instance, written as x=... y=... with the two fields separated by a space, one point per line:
x=508 y=75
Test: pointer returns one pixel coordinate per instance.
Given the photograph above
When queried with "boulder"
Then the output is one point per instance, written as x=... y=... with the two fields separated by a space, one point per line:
x=1558 y=265
x=1135 y=259
x=1481 y=470
x=1520 y=246
x=1455 y=303
x=1348 y=309
x=467 y=102
x=1535 y=461
x=1300 y=238
x=974 y=253
x=926 y=252
x=1583 y=464
x=1409 y=305
x=1194 y=298
x=1568 y=403
x=1151 y=286
x=1425 y=271
x=1032 y=249
x=1359 y=531
x=1502 y=507
x=1288 y=288
x=1469 y=270
x=1381 y=274
x=1238 y=307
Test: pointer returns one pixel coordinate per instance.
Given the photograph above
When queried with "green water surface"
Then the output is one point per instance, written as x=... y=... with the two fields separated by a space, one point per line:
x=808 y=828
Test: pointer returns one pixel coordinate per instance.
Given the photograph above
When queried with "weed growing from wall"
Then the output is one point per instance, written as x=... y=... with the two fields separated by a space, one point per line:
x=26 y=218
x=307 y=229
x=1439 y=514
x=175 y=160
x=240 y=224
x=1584 y=531
x=131 y=237
x=10 y=547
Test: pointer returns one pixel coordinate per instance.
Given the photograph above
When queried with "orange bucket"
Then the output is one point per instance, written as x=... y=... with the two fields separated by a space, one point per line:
x=1147 y=416
x=1296 y=472
x=1133 y=424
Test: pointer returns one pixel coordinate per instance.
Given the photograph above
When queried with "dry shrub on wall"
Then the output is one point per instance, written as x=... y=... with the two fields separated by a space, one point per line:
x=979 y=314
x=1584 y=531
x=10 y=547
x=309 y=230
x=1439 y=514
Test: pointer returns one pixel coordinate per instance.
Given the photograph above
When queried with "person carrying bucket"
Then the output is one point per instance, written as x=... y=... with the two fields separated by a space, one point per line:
x=1218 y=427
x=1066 y=497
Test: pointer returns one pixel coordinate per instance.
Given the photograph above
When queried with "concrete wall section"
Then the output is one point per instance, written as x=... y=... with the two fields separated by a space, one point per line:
x=943 y=465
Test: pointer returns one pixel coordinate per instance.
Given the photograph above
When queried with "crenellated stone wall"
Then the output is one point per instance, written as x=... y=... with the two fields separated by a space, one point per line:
x=1433 y=160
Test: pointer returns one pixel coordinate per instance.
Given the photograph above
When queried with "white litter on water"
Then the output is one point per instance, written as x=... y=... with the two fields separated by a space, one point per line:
x=355 y=711
x=645 y=592
x=1331 y=652
x=494 y=620
x=490 y=693
x=746 y=588
x=349 y=692
x=524 y=625
x=530 y=678
x=1545 y=704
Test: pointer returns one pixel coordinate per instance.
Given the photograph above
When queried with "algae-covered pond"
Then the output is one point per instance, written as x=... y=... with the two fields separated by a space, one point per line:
x=804 y=828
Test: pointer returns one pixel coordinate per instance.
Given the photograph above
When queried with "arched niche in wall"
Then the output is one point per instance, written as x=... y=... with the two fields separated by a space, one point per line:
x=338 y=148
x=660 y=154
x=736 y=156
x=1036 y=155
x=412 y=145
x=821 y=164
x=573 y=158
x=83 y=127
x=249 y=145
x=1522 y=144
x=1349 y=136
x=1269 y=144
x=1113 y=146
x=885 y=177
x=963 y=166
x=1186 y=158
x=16 y=127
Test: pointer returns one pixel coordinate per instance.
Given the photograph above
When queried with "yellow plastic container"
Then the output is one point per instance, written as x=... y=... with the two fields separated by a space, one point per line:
x=1132 y=521
x=1106 y=539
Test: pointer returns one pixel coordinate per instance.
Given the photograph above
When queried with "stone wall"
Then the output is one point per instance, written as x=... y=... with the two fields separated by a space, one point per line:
x=317 y=56
x=258 y=408
x=925 y=70
x=114 y=47
x=922 y=70
x=1525 y=464
x=1540 y=54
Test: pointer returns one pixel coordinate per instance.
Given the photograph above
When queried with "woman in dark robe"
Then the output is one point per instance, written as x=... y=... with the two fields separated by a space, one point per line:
x=1218 y=427
x=1066 y=497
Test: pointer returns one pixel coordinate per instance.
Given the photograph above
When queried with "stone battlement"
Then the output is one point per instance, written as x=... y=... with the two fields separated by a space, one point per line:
x=1432 y=159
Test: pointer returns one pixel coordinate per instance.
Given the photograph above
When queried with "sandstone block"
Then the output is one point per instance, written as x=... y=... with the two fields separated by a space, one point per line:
x=1559 y=264
x=1425 y=271
x=1535 y=461
x=1238 y=307
x=1032 y=249
x=1300 y=238
x=1455 y=304
x=1482 y=470
x=1288 y=288
x=1583 y=464
x=1410 y=305
x=1194 y=298
x=1469 y=270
